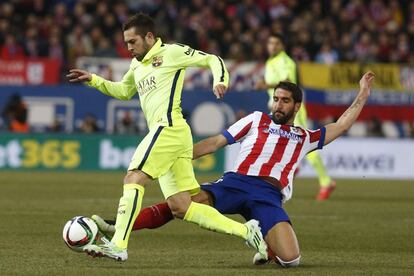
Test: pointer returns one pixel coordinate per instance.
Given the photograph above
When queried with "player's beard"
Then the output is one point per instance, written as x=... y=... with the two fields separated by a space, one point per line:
x=282 y=120
x=146 y=47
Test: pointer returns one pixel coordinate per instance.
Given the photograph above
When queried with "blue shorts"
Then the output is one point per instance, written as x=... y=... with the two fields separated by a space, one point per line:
x=249 y=196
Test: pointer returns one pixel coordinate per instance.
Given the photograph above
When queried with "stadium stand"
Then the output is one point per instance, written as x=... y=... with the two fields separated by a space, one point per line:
x=320 y=31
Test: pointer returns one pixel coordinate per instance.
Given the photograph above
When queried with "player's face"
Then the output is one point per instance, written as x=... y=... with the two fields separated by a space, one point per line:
x=284 y=107
x=137 y=45
x=274 y=46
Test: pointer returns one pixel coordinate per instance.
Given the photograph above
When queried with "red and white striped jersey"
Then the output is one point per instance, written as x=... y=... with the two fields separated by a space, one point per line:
x=269 y=149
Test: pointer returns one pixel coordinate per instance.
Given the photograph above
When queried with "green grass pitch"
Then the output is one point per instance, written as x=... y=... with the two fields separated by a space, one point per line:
x=366 y=228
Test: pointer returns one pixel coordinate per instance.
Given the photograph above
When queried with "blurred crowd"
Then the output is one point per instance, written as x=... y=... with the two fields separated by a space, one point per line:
x=320 y=30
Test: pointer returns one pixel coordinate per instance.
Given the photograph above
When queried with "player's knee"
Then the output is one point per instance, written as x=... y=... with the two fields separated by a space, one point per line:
x=179 y=205
x=130 y=177
x=136 y=177
x=288 y=262
x=178 y=210
x=203 y=197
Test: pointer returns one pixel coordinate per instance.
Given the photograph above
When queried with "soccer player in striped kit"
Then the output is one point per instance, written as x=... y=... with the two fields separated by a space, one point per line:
x=271 y=148
x=280 y=67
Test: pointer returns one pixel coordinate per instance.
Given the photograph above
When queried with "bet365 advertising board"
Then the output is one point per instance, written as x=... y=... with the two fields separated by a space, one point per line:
x=80 y=152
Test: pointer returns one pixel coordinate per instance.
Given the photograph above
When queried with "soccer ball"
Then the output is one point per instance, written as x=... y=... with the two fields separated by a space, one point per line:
x=79 y=232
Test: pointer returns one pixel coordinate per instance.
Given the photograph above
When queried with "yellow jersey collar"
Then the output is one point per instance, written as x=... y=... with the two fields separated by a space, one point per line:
x=153 y=50
x=281 y=53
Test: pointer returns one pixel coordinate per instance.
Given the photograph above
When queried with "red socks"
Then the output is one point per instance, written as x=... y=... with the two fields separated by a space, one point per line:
x=153 y=217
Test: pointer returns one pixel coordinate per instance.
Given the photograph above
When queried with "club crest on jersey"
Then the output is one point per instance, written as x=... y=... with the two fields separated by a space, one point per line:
x=157 y=61
x=297 y=130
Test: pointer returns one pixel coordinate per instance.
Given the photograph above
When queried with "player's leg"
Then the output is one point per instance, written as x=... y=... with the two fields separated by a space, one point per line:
x=151 y=217
x=128 y=209
x=282 y=241
x=159 y=214
x=129 y=206
x=179 y=184
x=205 y=216
x=278 y=232
x=327 y=185
x=264 y=203
x=325 y=182
x=140 y=172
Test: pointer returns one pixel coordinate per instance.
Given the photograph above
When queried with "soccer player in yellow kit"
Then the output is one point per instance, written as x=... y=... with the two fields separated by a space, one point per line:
x=280 y=67
x=156 y=73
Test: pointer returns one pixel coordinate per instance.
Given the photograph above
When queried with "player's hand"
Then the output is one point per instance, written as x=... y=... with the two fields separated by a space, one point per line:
x=77 y=75
x=366 y=82
x=219 y=90
x=260 y=85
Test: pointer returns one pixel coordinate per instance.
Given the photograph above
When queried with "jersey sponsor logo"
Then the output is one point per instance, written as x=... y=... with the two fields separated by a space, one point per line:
x=157 y=61
x=284 y=133
x=146 y=85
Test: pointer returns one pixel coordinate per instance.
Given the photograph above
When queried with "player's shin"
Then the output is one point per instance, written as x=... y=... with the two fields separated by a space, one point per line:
x=128 y=210
x=209 y=218
x=315 y=160
x=153 y=217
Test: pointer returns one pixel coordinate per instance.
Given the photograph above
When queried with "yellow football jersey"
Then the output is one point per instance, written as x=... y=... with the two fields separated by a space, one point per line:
x=158 y=79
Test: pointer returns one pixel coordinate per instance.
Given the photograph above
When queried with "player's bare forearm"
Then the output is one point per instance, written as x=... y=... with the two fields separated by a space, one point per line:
x=350 y=115
x=347 y=118
x=208 y=145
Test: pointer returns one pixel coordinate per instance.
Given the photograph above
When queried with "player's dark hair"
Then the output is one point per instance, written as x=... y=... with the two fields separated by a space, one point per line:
x=280 y=37
x=142 y=23
x=297 y=94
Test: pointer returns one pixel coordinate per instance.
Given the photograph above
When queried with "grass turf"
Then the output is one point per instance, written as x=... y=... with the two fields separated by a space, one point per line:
x=365 y=228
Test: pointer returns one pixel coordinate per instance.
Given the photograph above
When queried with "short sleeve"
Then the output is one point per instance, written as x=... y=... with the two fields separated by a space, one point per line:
x=239 y=129
x=316 y=139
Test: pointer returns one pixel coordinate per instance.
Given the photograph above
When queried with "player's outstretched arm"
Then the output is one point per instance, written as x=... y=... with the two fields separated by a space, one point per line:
x=346 y=120
x=209 y=145
x=123 y=90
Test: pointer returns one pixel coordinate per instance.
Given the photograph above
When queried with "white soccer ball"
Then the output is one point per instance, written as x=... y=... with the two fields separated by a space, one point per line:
x=79 y=232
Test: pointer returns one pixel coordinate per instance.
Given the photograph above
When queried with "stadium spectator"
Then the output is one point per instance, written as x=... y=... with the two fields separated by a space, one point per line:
x=56 y=126
x=410 y=130
x=374 y=128
x=11 y=49
x=105 y=49
x=357 y=30
x=126 y=125
x=327 y=54
x=89 y=124
x=78 y=44
x=55 y=49
x=33 y=45
x=15 y=114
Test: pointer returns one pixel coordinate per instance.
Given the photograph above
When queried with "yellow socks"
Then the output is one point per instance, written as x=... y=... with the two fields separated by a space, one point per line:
x=209 y=218
x=316 y=161
x=128 y=210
